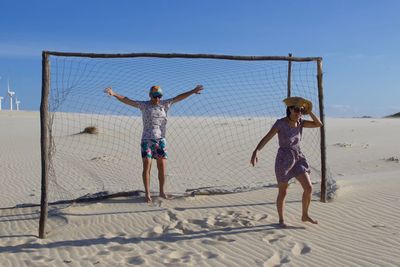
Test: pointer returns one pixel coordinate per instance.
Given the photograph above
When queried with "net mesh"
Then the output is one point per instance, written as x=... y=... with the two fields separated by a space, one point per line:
x=210 y=136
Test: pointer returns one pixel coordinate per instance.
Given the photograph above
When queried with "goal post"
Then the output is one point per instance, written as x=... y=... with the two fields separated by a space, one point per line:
x=44 y=143
x=323 y=195
x=242 y=98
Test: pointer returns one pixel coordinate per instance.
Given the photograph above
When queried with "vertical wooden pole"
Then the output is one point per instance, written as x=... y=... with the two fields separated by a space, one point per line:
x=322 y=130
x=44 y=141
x=289 y=81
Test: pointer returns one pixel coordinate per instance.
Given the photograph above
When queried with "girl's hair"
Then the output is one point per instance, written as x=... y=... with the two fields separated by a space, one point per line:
x=288 y=111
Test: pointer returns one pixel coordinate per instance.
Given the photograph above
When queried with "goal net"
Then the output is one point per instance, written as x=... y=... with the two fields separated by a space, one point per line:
x=94 y=140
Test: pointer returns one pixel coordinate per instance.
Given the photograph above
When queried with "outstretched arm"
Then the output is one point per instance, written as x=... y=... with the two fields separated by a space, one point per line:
x=263 y=142
x=182 y=96
x=315 y=123
x=121 y=98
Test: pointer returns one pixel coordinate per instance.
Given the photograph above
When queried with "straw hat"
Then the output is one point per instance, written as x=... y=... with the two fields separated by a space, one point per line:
x=299 y=102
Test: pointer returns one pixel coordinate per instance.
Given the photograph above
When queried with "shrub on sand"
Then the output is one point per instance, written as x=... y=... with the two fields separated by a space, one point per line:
x=90 y=130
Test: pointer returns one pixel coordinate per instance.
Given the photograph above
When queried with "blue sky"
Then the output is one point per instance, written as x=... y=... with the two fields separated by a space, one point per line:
x=358 y=40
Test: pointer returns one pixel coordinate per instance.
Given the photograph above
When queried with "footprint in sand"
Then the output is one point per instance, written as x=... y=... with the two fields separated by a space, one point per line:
x=273 y=237
x=201 y=223
x=300 y=249
x=176 y=257
x=209 y=255
x=276 y=260
x=161 y=247
x=42 y=259
x=223 y=223
x=235 y=218
x=171 y=216
x=184 y=227
x=103 y=253
x=159 y=202
x=151 y=252
x=108 y=236
x=90 y=261
x=121 y=234
x=172 y=225
x=154 y=232
x=136 y=260
x=225 y=219
x=259 y=217
x=296 y=248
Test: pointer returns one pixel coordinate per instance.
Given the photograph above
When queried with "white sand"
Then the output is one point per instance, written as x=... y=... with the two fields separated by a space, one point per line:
x=360 y=228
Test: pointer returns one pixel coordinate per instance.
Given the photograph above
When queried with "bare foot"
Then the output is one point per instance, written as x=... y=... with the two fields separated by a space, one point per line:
x=163 y=195
x=308 y=219
x=282 y=224
x=148 y=199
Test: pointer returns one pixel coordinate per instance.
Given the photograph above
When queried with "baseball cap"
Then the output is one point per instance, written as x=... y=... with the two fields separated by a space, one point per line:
x=155 y=91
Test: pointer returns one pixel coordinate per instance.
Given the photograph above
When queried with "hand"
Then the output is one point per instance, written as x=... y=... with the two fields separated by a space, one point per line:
x=308 y=107
x=308 y=110
x=254 y=158
x=109 y=91
x=198 y=89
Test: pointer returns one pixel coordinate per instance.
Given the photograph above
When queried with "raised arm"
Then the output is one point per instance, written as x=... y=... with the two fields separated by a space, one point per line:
x=263 y=142
x=315 y=123
x=121 y=98
x=182 y=96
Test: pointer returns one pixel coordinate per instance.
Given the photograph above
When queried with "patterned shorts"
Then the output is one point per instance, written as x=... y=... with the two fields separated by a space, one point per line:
x=154 y=148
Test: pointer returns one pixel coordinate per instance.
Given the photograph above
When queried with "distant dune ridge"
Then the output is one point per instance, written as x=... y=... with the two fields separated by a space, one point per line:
x=361 y=227
x=396 y=115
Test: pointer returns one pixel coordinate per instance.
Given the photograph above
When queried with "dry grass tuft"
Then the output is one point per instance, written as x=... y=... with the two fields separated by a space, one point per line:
x=90 y=130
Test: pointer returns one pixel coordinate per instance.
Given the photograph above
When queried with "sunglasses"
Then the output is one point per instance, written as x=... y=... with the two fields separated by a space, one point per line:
x=299 y=110
x=156 y=96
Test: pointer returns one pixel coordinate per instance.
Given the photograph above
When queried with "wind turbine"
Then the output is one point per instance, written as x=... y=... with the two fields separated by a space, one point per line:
x=1 y=98
x=10 y=94
x=17 y=102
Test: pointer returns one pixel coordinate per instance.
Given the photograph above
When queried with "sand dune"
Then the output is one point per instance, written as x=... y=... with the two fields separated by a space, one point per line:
x=361 y=227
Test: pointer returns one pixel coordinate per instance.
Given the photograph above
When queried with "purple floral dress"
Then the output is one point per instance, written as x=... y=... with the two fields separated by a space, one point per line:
x=290 y=161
